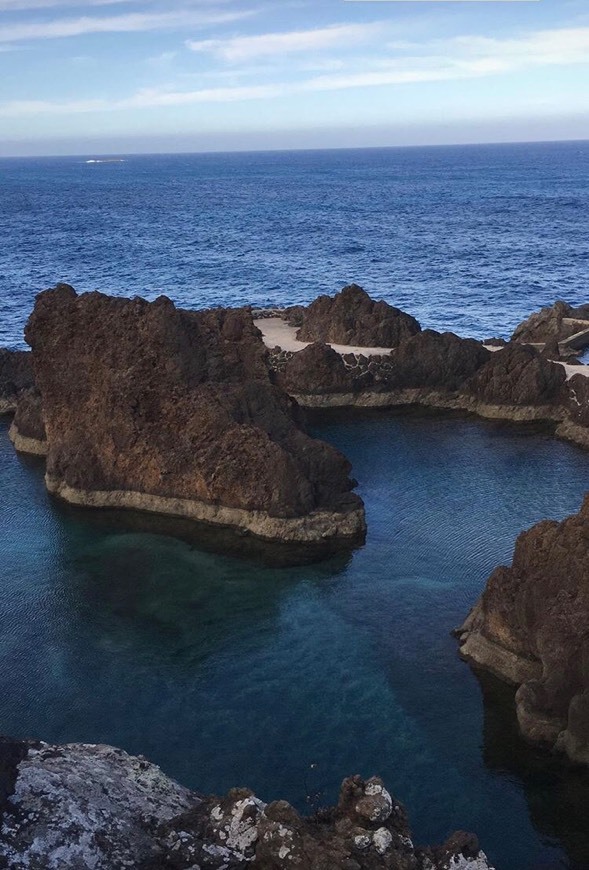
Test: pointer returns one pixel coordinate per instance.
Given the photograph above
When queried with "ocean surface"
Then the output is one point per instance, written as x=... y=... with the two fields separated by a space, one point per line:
x=469 y=239
x=227 y=671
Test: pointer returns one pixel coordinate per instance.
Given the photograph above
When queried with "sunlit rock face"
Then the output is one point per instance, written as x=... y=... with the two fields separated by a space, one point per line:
x=150 y=407
x=352 y=317
x=82 y=805
x=530 y=628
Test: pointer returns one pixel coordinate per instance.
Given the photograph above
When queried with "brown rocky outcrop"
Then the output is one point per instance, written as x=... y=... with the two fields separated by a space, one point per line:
x=518 y=375
x=16 y=374
x=436 y=360
x=150 y=407
x=352 y=317
x=548 y=323
x=83 y=805
x=530 y=627
x=316 y=369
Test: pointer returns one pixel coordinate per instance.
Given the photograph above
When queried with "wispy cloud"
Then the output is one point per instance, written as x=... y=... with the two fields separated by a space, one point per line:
x=127 y=23
x=19 y=5
x=454 y=59
x=247 y=48
x=145 y=98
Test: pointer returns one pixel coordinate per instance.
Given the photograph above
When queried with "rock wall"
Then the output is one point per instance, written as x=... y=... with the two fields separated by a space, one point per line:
x=149 y=407
x=80 y=805
x=443 y=371
x=530 y=628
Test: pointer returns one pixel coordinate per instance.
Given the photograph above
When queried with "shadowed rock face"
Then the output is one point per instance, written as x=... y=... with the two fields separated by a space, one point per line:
x=352 y=317
x=28 y=421
x=530 y=628
x=518 y=375
x=437 y=360
x=80 y=805
x=578 y=401
x=316 y=369
x=16 y=374
x=146 y=399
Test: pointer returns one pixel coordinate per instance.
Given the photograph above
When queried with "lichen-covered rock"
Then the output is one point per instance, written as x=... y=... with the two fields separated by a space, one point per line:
x=81 y=806
x=530 y=628
x=86 y=807
x=367 y=830
x=352 y=317
x=16 y=375
x=150 y=407
x=518 y=375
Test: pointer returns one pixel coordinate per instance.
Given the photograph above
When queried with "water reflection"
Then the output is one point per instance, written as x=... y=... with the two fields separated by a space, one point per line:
x=556 y=792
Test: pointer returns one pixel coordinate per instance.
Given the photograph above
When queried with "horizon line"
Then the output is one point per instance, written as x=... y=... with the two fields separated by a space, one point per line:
x=124 y=154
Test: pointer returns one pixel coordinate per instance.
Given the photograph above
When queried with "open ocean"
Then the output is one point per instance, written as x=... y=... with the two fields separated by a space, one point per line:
x=469 y=239
x=229 y=672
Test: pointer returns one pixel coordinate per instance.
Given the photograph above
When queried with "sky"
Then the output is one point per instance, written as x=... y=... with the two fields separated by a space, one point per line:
x=132 y=76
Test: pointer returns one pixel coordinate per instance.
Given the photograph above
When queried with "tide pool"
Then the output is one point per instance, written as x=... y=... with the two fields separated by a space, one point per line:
x=228 y=672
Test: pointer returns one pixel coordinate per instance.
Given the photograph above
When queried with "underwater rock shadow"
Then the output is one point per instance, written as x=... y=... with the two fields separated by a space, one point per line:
x=142 y=582
x=209 y=538
x=556 y=792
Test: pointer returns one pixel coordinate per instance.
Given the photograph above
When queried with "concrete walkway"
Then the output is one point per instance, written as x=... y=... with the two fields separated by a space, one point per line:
x=277 y=333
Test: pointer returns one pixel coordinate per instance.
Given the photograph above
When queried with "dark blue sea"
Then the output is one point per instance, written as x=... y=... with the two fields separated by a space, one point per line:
x=227 y=671
x=469 y=239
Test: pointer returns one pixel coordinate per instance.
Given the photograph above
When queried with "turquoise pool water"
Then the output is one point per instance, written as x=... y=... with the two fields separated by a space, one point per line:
x=228 y=672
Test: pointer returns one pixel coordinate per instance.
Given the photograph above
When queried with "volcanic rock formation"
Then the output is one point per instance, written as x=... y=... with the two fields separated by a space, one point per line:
x=16 y=375
x=352 y=317
x=80 y=805
x=27 y=431
x=316 y=369
x=519 y=375
x=436 y=360
x=149 y=407
x=549 y=323
x=530 y=627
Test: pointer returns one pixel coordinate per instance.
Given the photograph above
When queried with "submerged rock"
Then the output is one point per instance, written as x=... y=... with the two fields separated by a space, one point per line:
x=352 y=317
x=16 y=375
x=85 y=806
x=530 y=628
x=149 y=407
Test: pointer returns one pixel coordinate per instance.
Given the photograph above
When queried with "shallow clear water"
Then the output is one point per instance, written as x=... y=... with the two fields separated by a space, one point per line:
x=469 y=238
x=228 y=672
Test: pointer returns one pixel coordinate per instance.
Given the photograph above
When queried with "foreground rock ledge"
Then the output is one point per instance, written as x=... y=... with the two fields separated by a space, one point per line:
x=148 y=407
x=530 y=628
x=86 y=806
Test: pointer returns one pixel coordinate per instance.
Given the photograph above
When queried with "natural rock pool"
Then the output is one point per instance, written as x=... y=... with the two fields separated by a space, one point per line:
x=226 y=672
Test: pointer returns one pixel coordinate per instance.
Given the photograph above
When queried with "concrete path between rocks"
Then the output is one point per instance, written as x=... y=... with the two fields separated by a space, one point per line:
x=278 y=333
